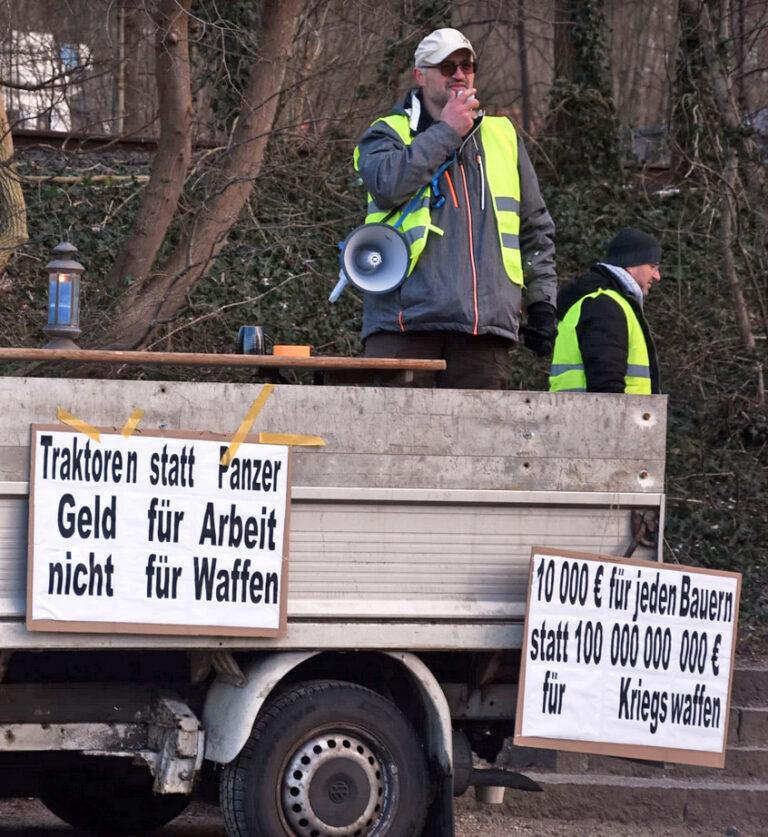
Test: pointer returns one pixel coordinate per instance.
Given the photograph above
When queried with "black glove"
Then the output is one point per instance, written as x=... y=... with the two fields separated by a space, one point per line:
x=540 y=330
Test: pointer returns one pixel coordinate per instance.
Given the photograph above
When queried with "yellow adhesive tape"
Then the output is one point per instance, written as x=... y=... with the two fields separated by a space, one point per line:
x=291 y=439
x=246 y=424
x=133 y=422
x=78 y=424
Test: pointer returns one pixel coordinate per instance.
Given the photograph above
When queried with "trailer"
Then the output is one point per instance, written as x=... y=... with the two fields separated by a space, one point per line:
x=410 y=540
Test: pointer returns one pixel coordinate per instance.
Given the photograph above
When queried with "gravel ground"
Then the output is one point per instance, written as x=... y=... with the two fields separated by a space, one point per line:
x=28 y=817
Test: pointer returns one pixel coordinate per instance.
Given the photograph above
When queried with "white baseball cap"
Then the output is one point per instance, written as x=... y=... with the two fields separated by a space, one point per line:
x=438 y=45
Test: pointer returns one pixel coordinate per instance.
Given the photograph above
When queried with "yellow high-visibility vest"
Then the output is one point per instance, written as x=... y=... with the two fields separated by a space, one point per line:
x=567 y=371
x=499 y=140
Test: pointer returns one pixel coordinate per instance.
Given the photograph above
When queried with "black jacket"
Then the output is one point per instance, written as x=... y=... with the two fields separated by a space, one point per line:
x=602 y=330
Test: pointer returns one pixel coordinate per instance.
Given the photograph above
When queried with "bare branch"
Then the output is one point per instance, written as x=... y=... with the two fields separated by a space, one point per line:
x=49 y=82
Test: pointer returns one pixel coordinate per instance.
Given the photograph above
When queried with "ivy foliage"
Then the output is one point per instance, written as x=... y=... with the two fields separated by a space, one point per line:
x=583 y=129
x=422 y=18
x=225 y=41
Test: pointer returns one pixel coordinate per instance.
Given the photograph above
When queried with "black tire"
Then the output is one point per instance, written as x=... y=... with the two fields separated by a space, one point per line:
x=331 y=754
x=109 y=801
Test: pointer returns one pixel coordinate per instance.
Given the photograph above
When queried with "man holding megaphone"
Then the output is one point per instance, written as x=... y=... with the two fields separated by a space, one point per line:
x=460 y=190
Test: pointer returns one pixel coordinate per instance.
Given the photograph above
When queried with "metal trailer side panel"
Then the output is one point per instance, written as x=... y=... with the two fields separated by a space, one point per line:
x=389 y=438
x=421 y=509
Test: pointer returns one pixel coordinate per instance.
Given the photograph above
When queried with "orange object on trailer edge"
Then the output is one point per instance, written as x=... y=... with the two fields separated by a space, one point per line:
x=292 y=351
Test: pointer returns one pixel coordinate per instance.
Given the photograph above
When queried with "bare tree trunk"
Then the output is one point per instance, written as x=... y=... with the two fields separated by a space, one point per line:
x=581 y=94
x=715 y=44
x=565 y=55
x=728 y=217
x=174 y=149
x=159 y=299
x=13 y=211
x=718 y=73
x=522 y=49
x=134 y=108
x=741 y=56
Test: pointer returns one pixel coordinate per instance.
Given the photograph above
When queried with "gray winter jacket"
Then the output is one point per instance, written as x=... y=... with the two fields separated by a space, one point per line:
x=439 y=295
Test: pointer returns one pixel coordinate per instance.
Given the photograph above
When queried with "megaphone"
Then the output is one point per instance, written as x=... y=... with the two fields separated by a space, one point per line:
x=374 y=258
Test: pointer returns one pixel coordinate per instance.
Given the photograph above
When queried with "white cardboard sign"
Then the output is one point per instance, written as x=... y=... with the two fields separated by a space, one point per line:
x=151 y=534
x=626 y=657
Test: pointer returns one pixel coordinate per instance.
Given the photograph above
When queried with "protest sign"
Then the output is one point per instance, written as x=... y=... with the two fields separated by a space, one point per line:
x=627 y=658
x=153 y=534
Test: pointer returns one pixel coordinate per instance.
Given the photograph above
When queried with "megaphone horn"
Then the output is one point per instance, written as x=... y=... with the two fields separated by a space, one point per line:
x=374 y=258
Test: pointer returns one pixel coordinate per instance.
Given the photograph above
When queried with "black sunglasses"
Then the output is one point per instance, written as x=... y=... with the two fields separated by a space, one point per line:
x=448 y=68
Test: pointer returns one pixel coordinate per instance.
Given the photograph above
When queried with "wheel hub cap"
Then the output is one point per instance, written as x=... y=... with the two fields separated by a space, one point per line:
x=333 y=786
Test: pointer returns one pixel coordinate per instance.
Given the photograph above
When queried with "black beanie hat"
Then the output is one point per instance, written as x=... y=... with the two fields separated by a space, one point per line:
x=630 y=247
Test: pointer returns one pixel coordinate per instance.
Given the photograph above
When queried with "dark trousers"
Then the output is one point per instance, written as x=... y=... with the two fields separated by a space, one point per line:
x=474 y=361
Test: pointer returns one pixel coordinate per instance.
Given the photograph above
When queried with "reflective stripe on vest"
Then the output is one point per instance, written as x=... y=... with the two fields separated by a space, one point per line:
x=500 y=147
x=567 y=371
x=503 y=181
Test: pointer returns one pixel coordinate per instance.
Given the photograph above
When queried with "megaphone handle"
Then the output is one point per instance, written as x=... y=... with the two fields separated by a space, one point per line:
x=340 y=285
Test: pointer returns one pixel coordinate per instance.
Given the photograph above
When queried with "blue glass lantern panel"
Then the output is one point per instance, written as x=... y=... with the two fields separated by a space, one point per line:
x=62 y=307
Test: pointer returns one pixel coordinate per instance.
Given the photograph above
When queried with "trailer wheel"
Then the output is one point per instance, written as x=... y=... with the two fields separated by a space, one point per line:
x=109 y=800
x=327 y=758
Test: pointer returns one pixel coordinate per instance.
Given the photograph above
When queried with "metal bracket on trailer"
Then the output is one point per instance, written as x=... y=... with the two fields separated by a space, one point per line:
x=170 y=742
x=176 y=747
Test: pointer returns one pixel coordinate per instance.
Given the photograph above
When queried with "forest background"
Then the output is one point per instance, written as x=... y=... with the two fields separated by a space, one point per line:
x=223 y=182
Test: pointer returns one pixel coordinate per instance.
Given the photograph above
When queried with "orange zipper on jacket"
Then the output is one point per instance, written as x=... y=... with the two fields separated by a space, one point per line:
x=471 y=247
x=452 y=190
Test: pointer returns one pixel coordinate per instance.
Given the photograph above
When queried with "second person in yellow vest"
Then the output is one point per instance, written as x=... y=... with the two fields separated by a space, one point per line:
x=603 y=341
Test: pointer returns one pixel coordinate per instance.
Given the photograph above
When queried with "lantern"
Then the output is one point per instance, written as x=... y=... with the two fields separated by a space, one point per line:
x=63 y=298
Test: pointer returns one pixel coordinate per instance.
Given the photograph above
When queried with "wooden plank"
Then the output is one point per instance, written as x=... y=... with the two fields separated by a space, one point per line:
x=200 y=359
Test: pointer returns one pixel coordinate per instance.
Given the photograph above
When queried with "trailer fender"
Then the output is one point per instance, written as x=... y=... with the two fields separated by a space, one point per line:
x=439 y=731
x=230 y=710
